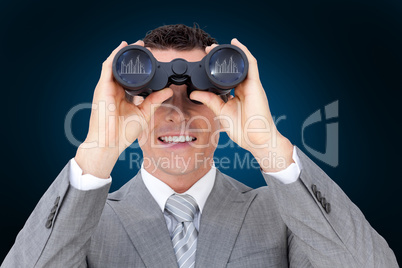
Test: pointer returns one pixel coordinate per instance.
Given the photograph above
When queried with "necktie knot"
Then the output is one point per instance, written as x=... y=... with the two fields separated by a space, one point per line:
x=182 y=206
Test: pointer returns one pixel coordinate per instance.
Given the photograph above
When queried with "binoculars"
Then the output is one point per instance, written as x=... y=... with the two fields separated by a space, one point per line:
x=140 y=74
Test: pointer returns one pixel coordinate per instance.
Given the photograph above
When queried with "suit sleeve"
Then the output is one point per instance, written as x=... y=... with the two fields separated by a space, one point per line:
x=58 y=231
x=325 y=228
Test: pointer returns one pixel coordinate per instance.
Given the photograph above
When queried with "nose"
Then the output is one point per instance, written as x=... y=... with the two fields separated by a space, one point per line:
x=177 y=107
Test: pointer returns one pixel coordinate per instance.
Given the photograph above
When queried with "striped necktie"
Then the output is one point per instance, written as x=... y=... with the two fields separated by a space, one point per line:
x=183 y=207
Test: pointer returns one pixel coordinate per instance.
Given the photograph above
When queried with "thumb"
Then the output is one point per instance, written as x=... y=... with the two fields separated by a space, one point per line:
x=211 y=100
x=153 y=101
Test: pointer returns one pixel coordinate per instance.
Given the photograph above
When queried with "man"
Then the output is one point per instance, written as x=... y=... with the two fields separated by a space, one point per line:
x=187 y=213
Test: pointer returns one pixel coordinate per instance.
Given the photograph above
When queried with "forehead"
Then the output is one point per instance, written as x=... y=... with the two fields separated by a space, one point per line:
x=167 y=55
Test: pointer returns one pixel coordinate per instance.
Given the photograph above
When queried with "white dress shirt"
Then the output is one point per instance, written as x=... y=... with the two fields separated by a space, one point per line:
x=160 y=191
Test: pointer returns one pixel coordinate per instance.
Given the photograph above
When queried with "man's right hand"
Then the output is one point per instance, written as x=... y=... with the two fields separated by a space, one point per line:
x=114 y=123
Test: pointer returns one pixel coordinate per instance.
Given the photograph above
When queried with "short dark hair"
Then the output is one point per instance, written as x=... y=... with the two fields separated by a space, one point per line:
x=179 y=37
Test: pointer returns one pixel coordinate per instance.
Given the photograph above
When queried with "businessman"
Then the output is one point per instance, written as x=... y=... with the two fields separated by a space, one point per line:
x=180 y=210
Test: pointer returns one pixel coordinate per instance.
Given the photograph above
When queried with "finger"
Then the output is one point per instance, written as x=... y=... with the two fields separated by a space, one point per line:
x=211 y=100
x=253 y=67
x=137 y=100
x=153 y=101
x=209 y=48
x=138 y=43
x=106 y=74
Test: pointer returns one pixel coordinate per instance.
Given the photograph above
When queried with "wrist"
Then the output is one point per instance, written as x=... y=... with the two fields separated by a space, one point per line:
x=97 y=161
x=276 y=157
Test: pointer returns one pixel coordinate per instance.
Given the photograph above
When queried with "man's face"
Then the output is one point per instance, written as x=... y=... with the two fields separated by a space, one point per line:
x=182 y=135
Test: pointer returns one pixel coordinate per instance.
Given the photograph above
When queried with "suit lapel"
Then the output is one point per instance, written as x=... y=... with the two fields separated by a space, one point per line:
x=221 y=221
x=144 y=222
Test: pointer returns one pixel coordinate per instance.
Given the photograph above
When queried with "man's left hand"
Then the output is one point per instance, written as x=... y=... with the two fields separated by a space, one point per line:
x=247 y=119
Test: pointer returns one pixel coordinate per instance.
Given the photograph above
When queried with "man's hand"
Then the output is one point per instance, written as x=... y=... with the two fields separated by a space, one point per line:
x=247 y=120
x=114 y=123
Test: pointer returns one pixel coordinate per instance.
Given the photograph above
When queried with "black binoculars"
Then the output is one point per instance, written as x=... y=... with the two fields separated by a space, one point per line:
x=140 y=74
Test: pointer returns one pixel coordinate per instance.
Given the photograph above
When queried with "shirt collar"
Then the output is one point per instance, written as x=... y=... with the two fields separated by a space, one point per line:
x=160 y=191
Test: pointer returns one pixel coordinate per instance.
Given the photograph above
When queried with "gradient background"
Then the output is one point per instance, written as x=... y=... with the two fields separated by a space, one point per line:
x=310 y=53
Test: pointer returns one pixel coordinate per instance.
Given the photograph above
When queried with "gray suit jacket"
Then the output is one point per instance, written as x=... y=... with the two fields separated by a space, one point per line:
x=275 y=226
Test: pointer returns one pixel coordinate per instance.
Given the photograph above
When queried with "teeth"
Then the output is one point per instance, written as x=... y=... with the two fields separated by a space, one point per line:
x=177 y=139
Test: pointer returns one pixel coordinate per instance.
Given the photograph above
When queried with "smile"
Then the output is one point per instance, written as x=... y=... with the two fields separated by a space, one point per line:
x=177 y=139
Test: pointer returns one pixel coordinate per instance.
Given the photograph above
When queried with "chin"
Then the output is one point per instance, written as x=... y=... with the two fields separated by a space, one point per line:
x=175 y=168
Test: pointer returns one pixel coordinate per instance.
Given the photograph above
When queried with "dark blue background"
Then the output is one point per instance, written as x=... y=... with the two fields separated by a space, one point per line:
x=310 y=53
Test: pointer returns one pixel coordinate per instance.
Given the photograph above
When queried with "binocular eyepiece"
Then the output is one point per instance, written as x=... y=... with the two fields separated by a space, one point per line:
x=140 y=74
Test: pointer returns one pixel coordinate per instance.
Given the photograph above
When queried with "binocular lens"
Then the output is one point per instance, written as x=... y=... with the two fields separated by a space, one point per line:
x=134 y=66
x=139 y=73
x=226 y=66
